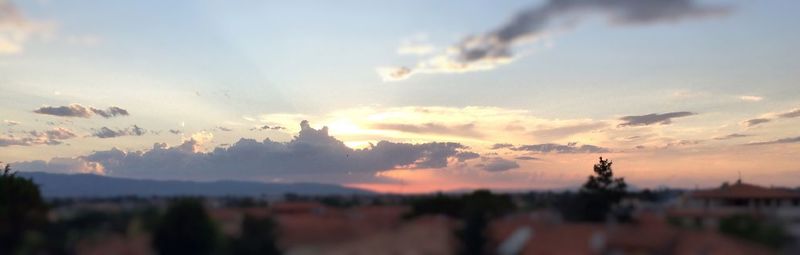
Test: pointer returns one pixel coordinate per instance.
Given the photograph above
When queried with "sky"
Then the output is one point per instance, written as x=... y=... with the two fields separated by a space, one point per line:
x=404 y=96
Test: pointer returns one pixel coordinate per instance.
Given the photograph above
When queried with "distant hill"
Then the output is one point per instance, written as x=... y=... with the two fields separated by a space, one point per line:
x=90 y=185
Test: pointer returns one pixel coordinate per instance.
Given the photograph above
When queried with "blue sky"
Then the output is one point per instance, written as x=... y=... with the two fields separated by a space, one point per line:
x=196 y=66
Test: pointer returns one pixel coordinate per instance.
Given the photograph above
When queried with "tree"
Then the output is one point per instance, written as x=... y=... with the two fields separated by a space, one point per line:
x=258 y=237
x=603 y=181
x=22 y=210
x=186 y=229
x=601 y=191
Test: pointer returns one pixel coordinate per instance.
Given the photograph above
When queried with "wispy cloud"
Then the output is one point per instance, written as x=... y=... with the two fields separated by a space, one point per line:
x=496 y=47
x=653 y=118
x=560 y=148
x=731 y=136
x=16 y=30
x=751 y=98
x=465 y=130
x=779 y=141
x=769 y=117
x=497 y=164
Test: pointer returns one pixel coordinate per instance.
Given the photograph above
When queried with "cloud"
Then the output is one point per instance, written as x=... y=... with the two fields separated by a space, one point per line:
x=794 y=113
x=498 y=146
x=653 y=118
x=110 y=112
x=779 y=141
x=768 y=117
x=526 y=158
x=105 y=132
x=558 y=148
x=267 y=127
x=224 y=129
x=175 y=131
x=80 y=111
x=464 y=130
x=312 y=155
x=61 y=165
x=751 y=98
x=466 y=155
x=498 y=164
x=394 y=73
x=559 y=132
x=16 y=30
x=11 y=122
x=756 y=121
x=731 y=136
x=486 y=51
x=54 y=136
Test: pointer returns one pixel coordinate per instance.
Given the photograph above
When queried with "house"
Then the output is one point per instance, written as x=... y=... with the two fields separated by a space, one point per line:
x=706 y=207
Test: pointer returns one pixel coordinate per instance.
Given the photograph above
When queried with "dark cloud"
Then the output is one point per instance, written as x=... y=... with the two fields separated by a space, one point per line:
x=559 y=148
x=653 y=118
x=779 y=141
x=312 y=155
x=224 y=129
x=483 y=51
x=535 y=21
x=731 y=136
x=465 y=130
x=175 y=131
x=498 y=164
x=110 y=112
x=80 y=111
x=105 y=132
x=498 y=146
x=73 y=110
x=526 y=158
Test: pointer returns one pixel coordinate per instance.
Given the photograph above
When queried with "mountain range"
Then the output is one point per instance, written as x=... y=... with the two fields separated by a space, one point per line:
x=90 y=185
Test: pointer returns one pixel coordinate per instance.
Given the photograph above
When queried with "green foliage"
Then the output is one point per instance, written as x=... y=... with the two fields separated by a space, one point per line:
x=749 y=228
x=186 y=229
x=22 y=211
x=258 y=237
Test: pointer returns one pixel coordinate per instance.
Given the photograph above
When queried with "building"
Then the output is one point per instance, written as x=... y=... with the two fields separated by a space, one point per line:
x=705 y=208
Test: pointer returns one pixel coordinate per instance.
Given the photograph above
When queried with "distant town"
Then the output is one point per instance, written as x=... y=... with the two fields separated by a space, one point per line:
x=603 y=217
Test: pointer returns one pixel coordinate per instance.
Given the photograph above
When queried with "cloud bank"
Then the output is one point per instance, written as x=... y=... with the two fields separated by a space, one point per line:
x=312 y=155
x=486 y=51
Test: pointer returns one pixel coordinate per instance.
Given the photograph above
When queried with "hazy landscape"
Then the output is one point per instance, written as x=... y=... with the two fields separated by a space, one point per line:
x=399 y=127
